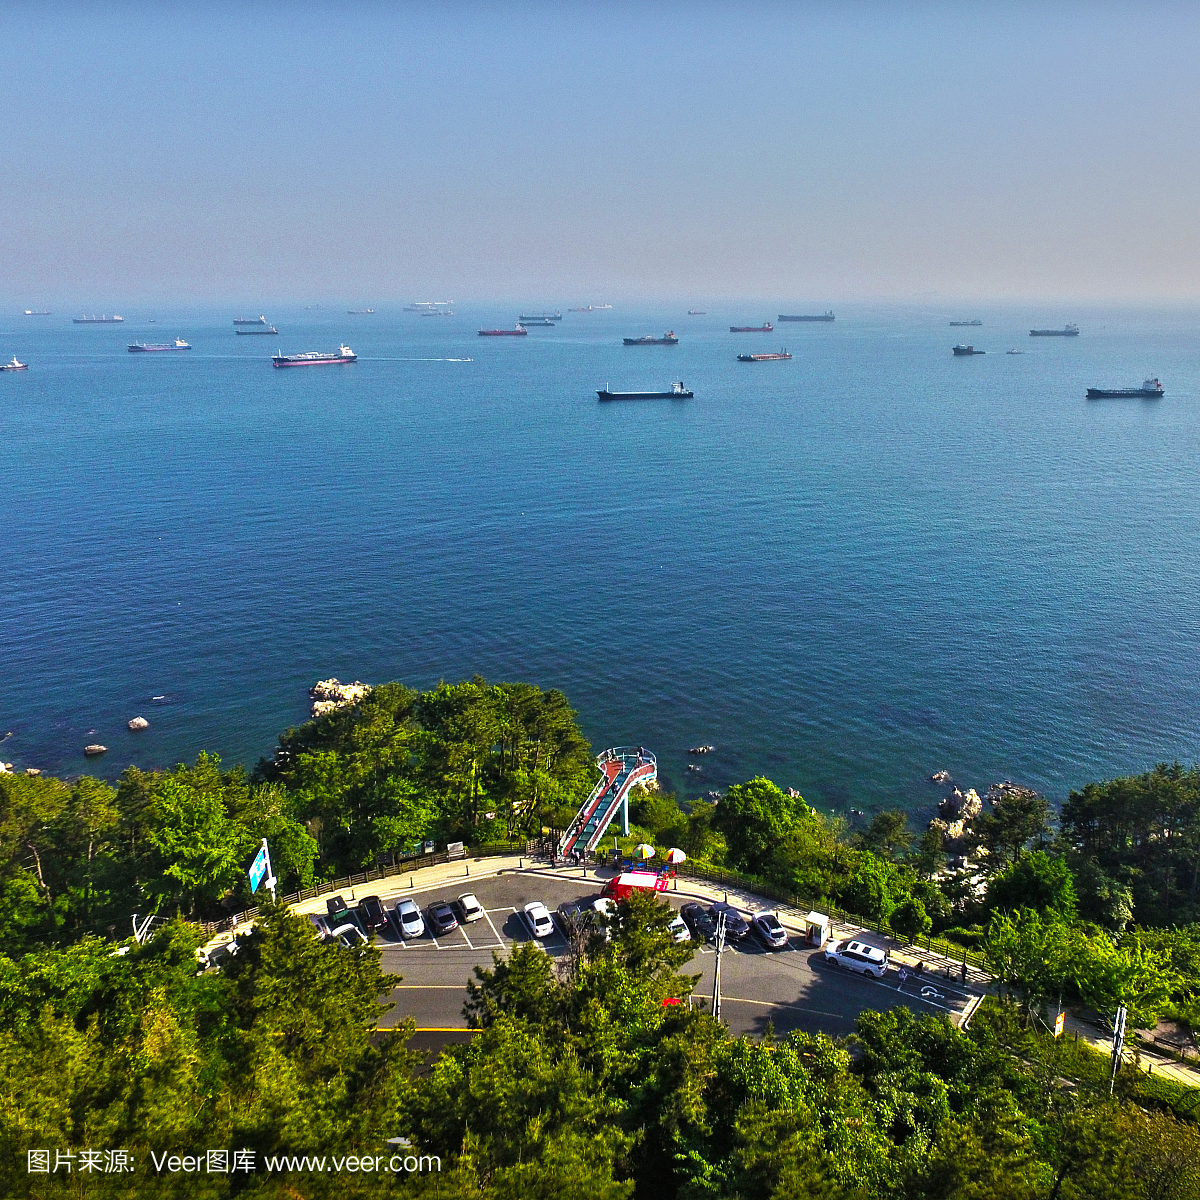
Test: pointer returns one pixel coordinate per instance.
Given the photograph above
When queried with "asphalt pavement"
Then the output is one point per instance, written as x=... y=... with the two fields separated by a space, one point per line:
x=785 y=989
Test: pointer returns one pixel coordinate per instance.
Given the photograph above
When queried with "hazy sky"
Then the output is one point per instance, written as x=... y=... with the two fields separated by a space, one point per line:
x=377 y=151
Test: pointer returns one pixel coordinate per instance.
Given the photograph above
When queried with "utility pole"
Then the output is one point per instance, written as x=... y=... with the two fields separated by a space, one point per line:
x=1118 y=1046
x=720 y=944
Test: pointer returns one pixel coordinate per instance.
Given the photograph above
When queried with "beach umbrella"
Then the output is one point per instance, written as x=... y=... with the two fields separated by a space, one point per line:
x=675 y=855
x=644 y=850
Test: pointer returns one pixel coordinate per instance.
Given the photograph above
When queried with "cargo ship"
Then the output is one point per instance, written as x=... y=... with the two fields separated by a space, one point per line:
x=551 y=317
x=765 y=327
x=783 y=354
x=962 y=351
x=1065 y=331
x=697 y=312
x=953 y=323
x=94 y=320
x=825 y=316
x=1150 y=387
x=538 y=321
x=315 y=358
x=420 y=306
x=269 y=329
x=677 y=392
x=151 y=347
x=359 y=312
x=14 y=365
x=37 y=312
x=667 y=339
x=436 y=312
x=249 y=320
x=520 y=331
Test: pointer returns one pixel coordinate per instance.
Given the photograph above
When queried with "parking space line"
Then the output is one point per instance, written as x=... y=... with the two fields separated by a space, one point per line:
x=499 y=939
x=820 y=1012
x=463 y=930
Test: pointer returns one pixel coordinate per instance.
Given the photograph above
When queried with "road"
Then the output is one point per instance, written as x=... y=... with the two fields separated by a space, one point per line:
x=787 y=989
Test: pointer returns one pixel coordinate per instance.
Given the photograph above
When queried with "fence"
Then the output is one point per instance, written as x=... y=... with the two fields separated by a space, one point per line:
x=401 y=867
x=760 y=887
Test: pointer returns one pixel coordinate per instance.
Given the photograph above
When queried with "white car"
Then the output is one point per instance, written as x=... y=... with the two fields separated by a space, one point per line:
x=679 y=930
x=409 y=919
x=470 y=907
x=348 y=936
x=603 y=908
x=537 y=916
x=858 y=956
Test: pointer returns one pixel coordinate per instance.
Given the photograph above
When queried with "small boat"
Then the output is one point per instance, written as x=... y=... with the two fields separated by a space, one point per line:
x=94 y=320
x=765 y=327
x=1014 y=350
x=677 y=392
x=37 y=312
x=976 y=322
x=1065 y=331
x=697 y=312
x=14 y=365
x=359 y=312
x=269 y=329
x=667 y=339
x=540 y=317
x=1150 y=387
x=589 y=308
x=520 y=331
x=249 y=320
x=151 y=347
x=825 y=316
x=763 y=357
x=961 y=351
x=315 y=358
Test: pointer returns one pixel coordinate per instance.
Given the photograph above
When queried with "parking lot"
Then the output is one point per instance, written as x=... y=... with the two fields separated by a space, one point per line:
x=788 y=989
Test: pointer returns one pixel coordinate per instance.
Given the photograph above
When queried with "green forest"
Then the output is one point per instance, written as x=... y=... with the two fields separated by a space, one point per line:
x=591 y=1075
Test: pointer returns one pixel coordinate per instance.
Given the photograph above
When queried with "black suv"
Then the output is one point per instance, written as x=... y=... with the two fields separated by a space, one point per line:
x=702 y=926
x=736 y=928
x=371 y=914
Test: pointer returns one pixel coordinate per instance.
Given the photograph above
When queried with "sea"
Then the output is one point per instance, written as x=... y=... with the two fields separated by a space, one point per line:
x=845 y=571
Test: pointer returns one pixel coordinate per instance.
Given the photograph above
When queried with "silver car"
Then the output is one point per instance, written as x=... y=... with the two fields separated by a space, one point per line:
x=409 y=920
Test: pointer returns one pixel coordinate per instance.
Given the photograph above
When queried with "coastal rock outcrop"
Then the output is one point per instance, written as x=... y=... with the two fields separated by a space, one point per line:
x=955 y=813
x=942 y=776
x=330 y=694
x=139 y=723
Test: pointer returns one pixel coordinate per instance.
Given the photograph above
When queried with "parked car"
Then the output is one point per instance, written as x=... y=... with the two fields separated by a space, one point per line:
x=336 y=907
x=320 y=926
x=441 y=918
x=858 y=956
x=574 y=915
x=469 y=907
x=678 y=929
x=766 y=925
x=215 y=957
x=371 y=914
x=602 y=913
x=537 y=917
x=695 y=916
x=408 y=919
x=349 y=935
x=736 y=929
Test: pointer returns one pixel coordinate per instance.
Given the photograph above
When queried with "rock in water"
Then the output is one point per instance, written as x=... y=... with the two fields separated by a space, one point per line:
x=94 y=749
x=139 y=723
x=329 y=694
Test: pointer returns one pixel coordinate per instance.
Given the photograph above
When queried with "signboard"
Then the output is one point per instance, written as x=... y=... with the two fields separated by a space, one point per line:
x=260 y=869
x=1058 y=1024
x=455 y=850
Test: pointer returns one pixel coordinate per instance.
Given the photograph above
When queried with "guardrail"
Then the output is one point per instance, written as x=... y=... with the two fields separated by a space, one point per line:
x=761 y=887
x=401 y=867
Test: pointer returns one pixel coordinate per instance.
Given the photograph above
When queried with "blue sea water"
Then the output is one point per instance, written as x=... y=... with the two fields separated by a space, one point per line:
x=845 y=571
